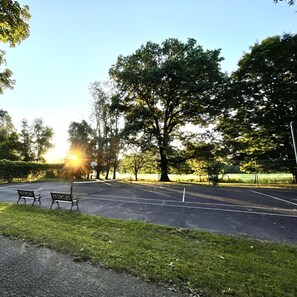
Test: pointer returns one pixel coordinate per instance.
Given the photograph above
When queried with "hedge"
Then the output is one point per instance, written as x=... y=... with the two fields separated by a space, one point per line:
x=10 y=170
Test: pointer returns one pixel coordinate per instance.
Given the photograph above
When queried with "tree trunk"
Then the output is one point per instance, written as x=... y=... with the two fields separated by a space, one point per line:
x=107 y=172
x=164 y=167
x=114 y=171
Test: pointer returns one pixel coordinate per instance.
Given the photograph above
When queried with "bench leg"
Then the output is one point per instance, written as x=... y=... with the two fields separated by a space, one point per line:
x=37 y=199
x=20 y=199
x=54 y=202
x=72 y=204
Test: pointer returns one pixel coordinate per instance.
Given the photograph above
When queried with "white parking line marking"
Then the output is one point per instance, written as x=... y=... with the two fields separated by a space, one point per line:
x=196 y=207
x=273 y=197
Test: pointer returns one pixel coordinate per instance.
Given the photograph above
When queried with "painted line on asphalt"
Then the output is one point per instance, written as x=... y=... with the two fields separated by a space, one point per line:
x=199 y=207
x=273 y=197
x=164 y=201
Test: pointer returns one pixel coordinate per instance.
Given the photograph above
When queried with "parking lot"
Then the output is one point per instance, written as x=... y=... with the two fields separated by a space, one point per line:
x=267 y=214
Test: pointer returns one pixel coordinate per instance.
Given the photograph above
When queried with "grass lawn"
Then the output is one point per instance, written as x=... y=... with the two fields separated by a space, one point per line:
x=198 y=262
x=229 y=178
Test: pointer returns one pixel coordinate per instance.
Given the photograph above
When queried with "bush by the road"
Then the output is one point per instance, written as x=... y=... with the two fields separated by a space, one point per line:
x=11 y=170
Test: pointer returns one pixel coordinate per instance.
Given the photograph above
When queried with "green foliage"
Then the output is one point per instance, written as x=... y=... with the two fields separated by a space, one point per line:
x=81 y=138
x=14 y=22
x=138 y=162
x=9 y=143
x=10 y=170
x=256 y=122
x=35 y=140
x=5 y=75
x=80 y=134
x=207 y=159
x=164 y=87
x=14 y=28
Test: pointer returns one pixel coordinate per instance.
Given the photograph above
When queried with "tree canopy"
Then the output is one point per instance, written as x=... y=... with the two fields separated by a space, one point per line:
x=14 y=22
x=264 y=89
x=164 y=87
x=14 y=28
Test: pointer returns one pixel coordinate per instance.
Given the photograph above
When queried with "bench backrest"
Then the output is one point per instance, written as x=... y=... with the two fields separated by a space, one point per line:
x=25 y=193
x=61 y=196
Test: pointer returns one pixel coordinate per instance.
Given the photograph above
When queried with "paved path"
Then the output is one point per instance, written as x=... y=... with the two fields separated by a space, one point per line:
x=30 y=271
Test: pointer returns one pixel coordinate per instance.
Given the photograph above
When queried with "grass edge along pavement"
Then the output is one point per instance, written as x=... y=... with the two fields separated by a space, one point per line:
x=202 y=263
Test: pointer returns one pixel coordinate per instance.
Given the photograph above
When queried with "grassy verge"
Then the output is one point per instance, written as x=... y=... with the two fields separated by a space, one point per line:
x=207 y=264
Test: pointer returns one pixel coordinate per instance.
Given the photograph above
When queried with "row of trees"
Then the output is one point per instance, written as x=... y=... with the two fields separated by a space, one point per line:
x=158 y=91
x=29 y=144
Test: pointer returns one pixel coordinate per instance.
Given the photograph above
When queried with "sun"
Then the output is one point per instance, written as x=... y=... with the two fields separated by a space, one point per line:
x=76 y=163
x=75 y=160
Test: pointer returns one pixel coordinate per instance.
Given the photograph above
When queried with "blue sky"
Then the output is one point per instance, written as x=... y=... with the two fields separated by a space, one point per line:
x=74 y=43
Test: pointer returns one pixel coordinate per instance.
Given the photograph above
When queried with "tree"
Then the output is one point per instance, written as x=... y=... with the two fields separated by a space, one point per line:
x=35 y=140
x=14 y=22
x=133 y=163
x=81 y=137
x=209 y=157
x=81 y=148
x=25 y=137
x=138 y=161
x=14 y=28
x=164 y=87
x=42 y=139
x=290 y=2
x=9 y=143
x=256 y=123
x=107 y=131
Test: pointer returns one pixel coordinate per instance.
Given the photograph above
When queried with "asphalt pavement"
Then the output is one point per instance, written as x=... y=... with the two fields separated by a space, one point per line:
x=266 y=214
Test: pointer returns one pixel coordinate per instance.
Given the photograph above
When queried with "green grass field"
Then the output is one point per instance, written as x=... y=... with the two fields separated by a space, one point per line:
x=201 y=263
x=230 y=178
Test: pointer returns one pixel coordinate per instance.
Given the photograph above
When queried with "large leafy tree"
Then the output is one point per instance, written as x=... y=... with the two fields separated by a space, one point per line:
x=264 y=90
x=164 y=87
x=14 y=28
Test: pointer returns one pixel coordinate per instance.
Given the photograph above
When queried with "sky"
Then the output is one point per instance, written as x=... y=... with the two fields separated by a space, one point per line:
x=74 y=43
